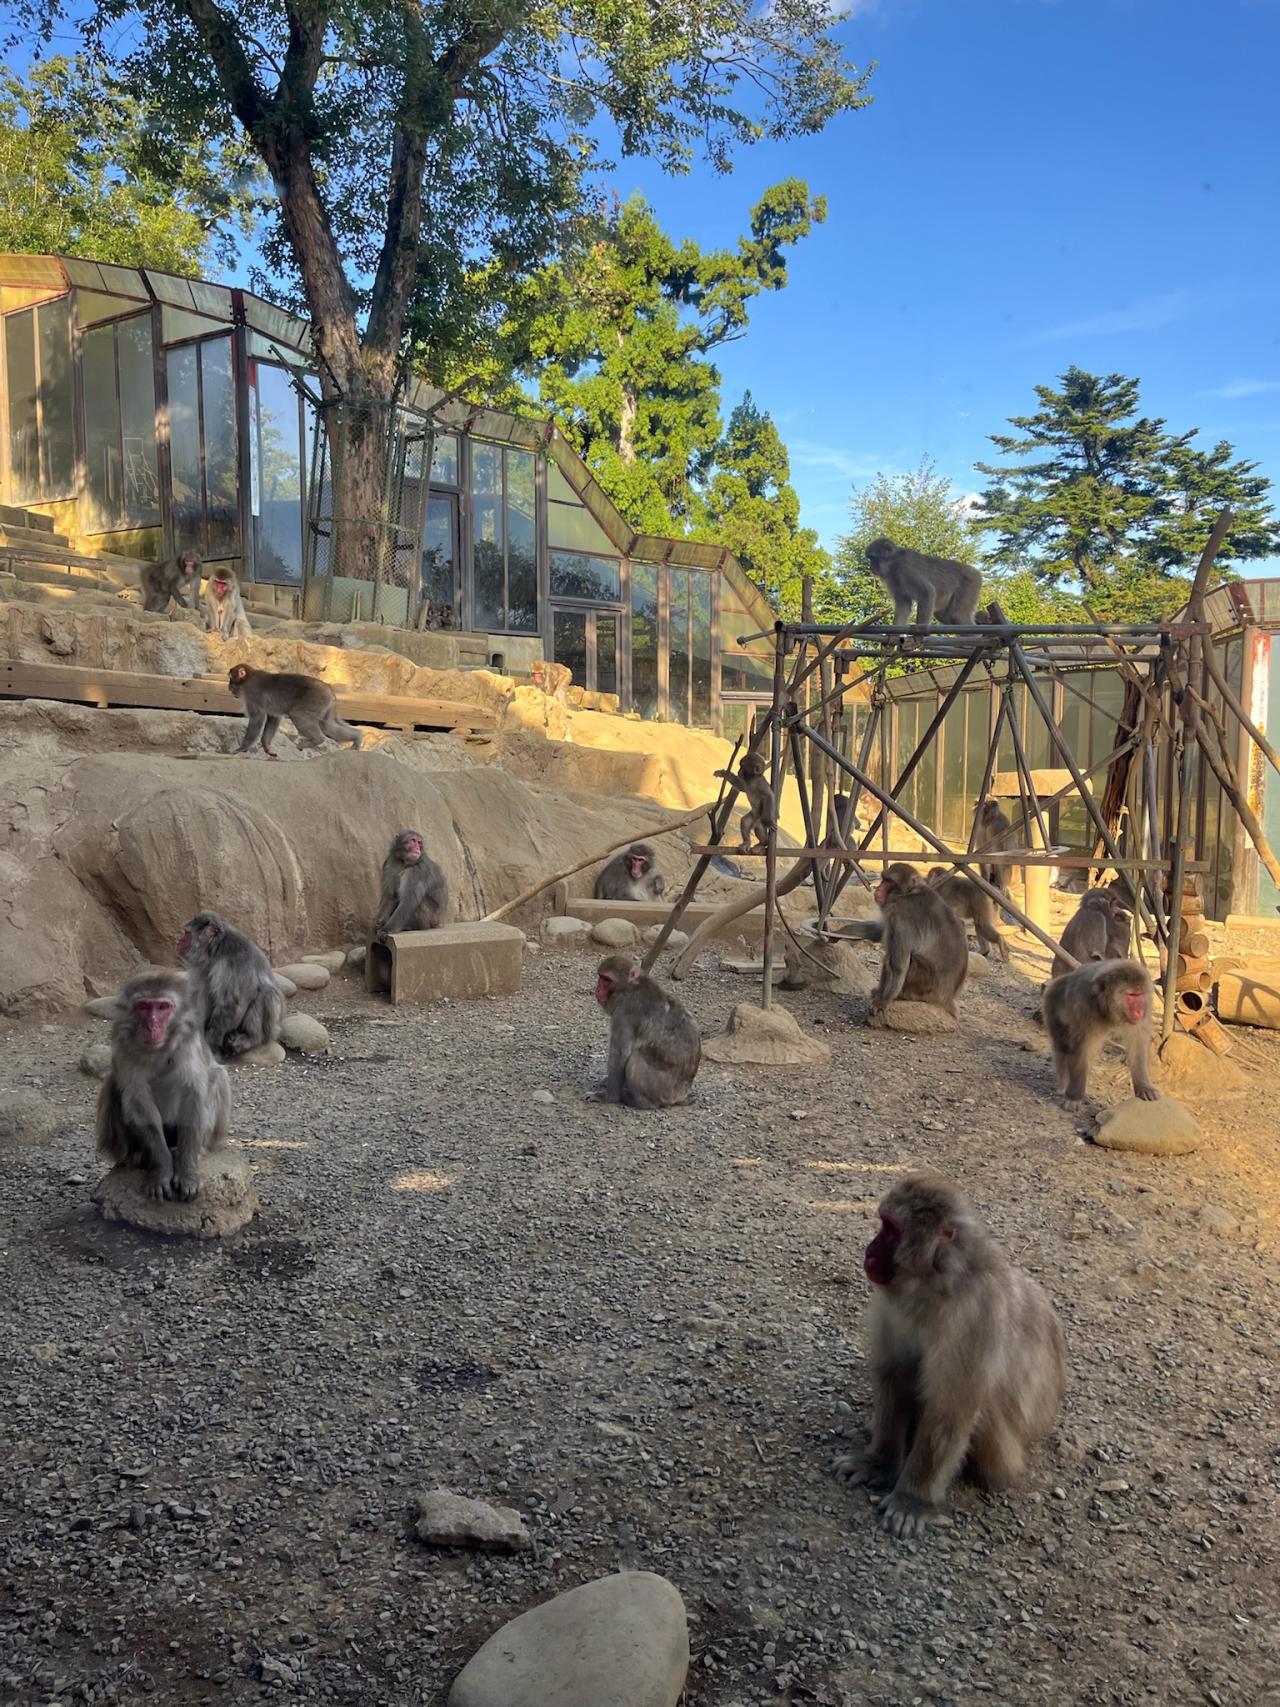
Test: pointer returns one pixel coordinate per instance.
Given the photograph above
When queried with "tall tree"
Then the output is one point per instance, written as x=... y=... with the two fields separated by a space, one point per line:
x=921 y=509
x=751 y=506
x=1108 y=506
x=410 y=143
x=79 y=176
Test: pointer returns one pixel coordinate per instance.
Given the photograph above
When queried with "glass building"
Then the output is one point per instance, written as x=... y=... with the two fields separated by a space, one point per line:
x=149 y=414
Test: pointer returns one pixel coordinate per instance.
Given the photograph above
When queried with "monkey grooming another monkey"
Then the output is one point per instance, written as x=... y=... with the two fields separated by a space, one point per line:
x=1083 y=1008
x=966 y=1354
x=631 y=876
x=971 y=905
x=926 y=954
x=654 y=1047
x=161 y=582
x=165 y=1100
x=232 y=980
x=415 y=892
x=310 y=703
x=763 y=807
x=224 y=608
x=1098 y=930
x=941 y=589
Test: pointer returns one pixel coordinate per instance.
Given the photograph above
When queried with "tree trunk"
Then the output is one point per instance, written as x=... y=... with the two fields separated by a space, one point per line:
x=627 y=426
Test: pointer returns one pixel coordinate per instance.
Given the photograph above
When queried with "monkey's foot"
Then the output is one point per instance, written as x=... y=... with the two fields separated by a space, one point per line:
x=1071 y=1105
x=158 y=1187
x=1147 y=1093
x=863 y=1469
x=185 y=1187
x=904 y=1515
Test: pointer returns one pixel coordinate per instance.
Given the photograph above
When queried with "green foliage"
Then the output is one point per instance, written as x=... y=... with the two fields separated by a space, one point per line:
x=919 y=509
x=751 y=506
x=1112 y=509
x=81 y=174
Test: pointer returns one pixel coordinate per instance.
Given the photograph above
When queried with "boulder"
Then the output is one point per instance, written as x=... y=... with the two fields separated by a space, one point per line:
x=561 y=928
x=676 y=941
x=101 y=1007
x=1187 y=1064
x=306 y=975
x=356 y=959
x=332 y=959
x=286 y=986
x=226 y=1201
x=307 y=1035
x=443 y=1519
x=615 y=933
x=1160 y=1128
x=919 y=1019
x=26 y=1118
x=763 y=1037
x=96 y=1060
x=979 y=965
x=621 y=1641
x=265 y=1055
x=834 y=966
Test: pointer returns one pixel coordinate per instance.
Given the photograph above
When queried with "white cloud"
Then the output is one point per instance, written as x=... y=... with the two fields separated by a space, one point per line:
x=831 y=462
x=1148 y=315
x=1236 y=388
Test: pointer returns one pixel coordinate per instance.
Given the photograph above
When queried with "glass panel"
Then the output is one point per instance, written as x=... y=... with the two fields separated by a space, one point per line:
x=55 y=398
x=954 y=819
x=558 y=488
x=1041 y=752
x=485 y=470
x=20 y=369
x=177 y=326
x=1108 y=699
x=220 y=458
x=700 y=586
x=278 y=480
x=577 y=577
x=101 y=427
x=444 y=461
x=522 y=563
x=440 y=553
x=184 y=449
x=742 y=672
x=92 y=308
x=572 y=526
x=606 y=654
x=644 y=639
x=486 y=528
x=570 y=637
x=138 y=421
x=678 y=667
x=734 y=717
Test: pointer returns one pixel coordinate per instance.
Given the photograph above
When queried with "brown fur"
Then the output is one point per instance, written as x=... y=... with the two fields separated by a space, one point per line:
x=619 y=880
x=1083 y=1008
x=972 y=906
x=762 y=813
x=310 y=703
x=654 y=1047
x=926 y=956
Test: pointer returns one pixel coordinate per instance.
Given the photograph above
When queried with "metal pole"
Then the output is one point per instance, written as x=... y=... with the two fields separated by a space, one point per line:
x=923 y=744
x=1177 y=876
x=775 y=775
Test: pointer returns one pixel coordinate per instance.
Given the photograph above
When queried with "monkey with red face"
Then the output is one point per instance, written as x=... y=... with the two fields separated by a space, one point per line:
x=415 y=891
x=1083 y=1008
x=654 y=1046
x=631 y=876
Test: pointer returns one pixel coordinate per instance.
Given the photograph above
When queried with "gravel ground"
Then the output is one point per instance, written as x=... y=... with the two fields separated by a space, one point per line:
x=643 y=1332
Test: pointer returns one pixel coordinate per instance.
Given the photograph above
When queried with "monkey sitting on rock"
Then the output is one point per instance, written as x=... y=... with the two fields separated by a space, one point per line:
x=414 y=894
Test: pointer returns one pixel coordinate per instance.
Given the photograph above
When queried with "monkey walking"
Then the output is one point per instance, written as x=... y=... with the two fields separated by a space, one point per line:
x=310 y=703
x=971 y=905
x=967 y=1358
x=926 y=952
x=175 y=579
x=762 y=813
x=1083 y=1008
x=232 y=980
x=224 y=608
x=654 y=1046
x=631 y=876
x=940 y=588
x=165 y=1101
x=414 y=895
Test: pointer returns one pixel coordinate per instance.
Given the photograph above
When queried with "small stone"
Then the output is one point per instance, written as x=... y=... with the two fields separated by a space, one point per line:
x=226 y=1200
x=1217 y=1221
x=332 y=959
x=621 y=1641
x=449 y=1520
x=302 y=1032
x=615 y=933
x=101 y=1007
x=265 y=1055
x=306 y=975
x=764 y=1037
x=979 y=965
x=560 y=928
x=96 y=1060
x=919 y=1019
x=356 y=959
x=1113 y=1487
x=25 y=1118
x=677 y=939
x=1160 y=1128
x=541 y=1096
x=286 y=986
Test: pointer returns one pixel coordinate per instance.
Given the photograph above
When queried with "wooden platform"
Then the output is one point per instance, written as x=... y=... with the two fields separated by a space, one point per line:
x=122 y=688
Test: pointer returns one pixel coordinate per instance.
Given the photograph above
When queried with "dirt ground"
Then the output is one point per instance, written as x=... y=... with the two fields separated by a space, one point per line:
x=642 y=1331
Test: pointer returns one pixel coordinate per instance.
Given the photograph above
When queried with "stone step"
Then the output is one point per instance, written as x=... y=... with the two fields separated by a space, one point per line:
x=22 y=542
x=25 y=533
x=55 y=575
x=15 y=516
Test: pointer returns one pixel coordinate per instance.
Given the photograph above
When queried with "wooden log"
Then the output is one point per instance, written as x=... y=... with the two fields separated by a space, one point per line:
x=1190 y=965
x=1192 y=942
x=1250 y=997
x=1197 y=983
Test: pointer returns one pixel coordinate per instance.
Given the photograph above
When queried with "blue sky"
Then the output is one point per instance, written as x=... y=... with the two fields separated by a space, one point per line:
x=1038 y=182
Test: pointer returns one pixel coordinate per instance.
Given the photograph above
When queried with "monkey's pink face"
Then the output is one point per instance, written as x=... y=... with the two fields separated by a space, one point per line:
x=220 y=586
x=604 y=989
x=184 y=943
x=1135 y=1002
x=883 y=890
x=411 y=850
x=637 y=865
x=879 y=1261
x=151 y=1020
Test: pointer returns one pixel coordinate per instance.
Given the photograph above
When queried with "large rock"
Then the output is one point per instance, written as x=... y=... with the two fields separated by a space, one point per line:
x=265 y=1055
x=26 y=1118
x=1189 y=1065
x=1160 y=1128
x=96 y=1060
x=834 y=966
x=305 y=1034
x=449 y=1520
x=562 y=929
x=615 y=933
x=675 y=941
x=332 y=959
x=918 y=1019
x=226 y=1201
x=306 y=975
x=764 y=1037
x=621 y=1641
x=286 y=986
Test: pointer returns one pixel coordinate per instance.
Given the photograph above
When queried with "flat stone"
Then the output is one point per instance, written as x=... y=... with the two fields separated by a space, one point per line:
x=265 y=1055
x=306 y=975
x=764 y=1038
x=615 y=933
x=1160 y=1128
x=920 y=1019
x=1187 y=1064
x=302 y=1032
x=356 y=958
x=450 y=1520
x=226 y=1201
x=332 y=959
x=26 y=1118
x=101 y=1007
x=560 y=928
x=96 y=1060
x=621 y=1641
x=677 y=939
x=286 y=986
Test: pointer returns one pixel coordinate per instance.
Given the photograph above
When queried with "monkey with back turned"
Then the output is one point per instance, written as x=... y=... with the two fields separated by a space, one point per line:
x=941 y=589
x=762 y=813
x=270 y=695
x=926 y=953
x=175 y=579
x=232 y=979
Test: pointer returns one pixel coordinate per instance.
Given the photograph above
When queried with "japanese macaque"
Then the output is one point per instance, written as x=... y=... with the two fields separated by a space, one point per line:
x=966 y=1353
x=224 y=613
x=842 y=816
x=1098 y=930
x=415 y=892
x=654 y=1047
x=941 y=589
x=310 y=703
x=432 y=616
x=165 y=1100
x=1085 y=1007
x=972 y=905
x=631 y=876
x=443 y=618
x=926 y=956
x=993 y=833
x=762 y=813
x=232 y=980
x=175 y=579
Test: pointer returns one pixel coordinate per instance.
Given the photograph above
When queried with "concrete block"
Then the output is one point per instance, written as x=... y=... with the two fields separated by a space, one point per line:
x=646 y=913
x=454 y=961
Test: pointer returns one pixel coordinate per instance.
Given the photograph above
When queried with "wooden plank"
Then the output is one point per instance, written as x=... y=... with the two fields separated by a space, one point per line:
x=103 y=688
x=870 y=856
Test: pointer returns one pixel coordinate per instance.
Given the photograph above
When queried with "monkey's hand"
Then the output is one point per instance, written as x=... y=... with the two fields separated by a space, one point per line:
x=185 y=1186
x=158 y=1186
x=1147 y=1093
x=904 y=1515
